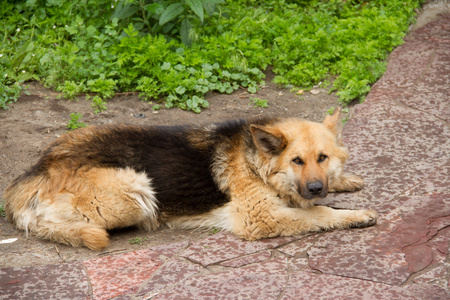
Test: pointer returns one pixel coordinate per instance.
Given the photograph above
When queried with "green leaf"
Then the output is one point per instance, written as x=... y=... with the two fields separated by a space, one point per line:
x=79 y=20
x=124 y=11
x=165 y=66
x=184 y=32
x=71 y=30
x=155 y=8
x=197 y=8
x=210 y=5
x=180 y=90
x=91 y=30
x=171 y=12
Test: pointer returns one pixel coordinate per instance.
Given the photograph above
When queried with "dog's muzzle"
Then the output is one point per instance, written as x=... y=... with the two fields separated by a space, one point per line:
x=313 y=189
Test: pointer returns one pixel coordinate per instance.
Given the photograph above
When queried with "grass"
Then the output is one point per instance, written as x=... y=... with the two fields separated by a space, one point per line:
x=2 y=209
x=79 y=47
x=258 y=102
x=74 y=122
x=138 y=240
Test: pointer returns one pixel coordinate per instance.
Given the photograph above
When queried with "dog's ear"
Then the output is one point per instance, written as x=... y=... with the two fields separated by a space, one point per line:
x=334 y=124
x=269 y=140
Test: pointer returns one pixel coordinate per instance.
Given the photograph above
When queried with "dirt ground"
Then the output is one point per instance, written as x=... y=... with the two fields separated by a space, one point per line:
x=38 y=118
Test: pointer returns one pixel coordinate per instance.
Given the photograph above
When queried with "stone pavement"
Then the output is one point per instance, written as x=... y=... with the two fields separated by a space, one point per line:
x=399 y=140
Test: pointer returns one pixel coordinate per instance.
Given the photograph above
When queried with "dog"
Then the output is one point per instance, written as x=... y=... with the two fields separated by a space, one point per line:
x=254 y=178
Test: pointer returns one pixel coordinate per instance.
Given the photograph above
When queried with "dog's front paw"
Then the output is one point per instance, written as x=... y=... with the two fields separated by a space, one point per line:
x=364 y=218
x=347 y=183
x=354 y=183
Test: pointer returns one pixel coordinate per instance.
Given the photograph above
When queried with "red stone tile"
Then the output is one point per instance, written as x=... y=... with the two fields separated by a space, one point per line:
x=437 y=76
x=435 y=103
x=427 y=292
x=298 y=246
x=261 y=281
x=438 y=31
x=406 y=65
x=62 y=281
x=307 y=285
x=299 y=264
x=248 y=259
x=436 y=182
x=224 y=246
x=435 y=276
x=123 y=274
x=408 y=238
x=171 y=273
x=418 y=257
x=115 y=275
x=382 y=93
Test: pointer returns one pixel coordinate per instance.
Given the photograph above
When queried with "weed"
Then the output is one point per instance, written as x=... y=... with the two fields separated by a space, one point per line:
x=98 y=104
x=9 y=94
x=257 y=102
x=331 y=110
x=2 y=208
x=214 y=230
x=138 y=240
x=71 y=89
x=74 y=122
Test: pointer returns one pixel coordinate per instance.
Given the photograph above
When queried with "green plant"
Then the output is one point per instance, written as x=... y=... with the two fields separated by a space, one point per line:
x=2 y=208
x=98 y=104
x=9 y=94
x=257 y=102
x=138 y=240
x=71 y=89
x=331 y=110
x=214 y=230
x=169 y=17
x=178 y=50
x=104 y=87
x=74 y=122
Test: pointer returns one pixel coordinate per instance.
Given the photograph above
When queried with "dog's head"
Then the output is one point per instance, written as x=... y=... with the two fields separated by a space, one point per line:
x=299 y=158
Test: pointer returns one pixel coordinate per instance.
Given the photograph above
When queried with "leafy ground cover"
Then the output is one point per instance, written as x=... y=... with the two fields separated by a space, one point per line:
x=177 y=51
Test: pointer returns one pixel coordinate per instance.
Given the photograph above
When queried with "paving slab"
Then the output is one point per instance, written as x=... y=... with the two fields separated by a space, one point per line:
x=261 y=281
x=63 y=281
x=224 y=246
x=307 y=285
x=123 y=274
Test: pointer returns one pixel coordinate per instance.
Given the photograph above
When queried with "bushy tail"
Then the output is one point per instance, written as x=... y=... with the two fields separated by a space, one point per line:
x=74 y=234
x=29 y=206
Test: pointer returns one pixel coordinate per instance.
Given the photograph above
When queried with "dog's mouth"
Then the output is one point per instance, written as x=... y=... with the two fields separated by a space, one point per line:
x=313 y=189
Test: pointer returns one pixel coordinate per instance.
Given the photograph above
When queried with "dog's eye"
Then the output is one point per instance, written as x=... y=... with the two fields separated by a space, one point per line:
x=298 y=161
x=322 y=157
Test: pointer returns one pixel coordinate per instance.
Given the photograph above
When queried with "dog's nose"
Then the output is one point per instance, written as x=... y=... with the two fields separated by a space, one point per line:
x=315 y=188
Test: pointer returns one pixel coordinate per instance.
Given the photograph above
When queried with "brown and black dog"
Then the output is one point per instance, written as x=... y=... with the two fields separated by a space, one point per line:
x=254 y=178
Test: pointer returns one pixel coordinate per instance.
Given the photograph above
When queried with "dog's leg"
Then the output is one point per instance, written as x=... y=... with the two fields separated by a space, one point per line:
x=293 y=221
x=346 y=183
x=271 y=218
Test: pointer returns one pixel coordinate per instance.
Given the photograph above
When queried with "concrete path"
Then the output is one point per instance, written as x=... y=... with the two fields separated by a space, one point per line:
x=399 y=140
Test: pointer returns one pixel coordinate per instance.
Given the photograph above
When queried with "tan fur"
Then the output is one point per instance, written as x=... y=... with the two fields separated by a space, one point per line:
x=76 y=208
x=75 y=204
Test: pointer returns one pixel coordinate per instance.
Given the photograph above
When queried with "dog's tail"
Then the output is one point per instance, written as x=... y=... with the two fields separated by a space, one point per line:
x=30 y=205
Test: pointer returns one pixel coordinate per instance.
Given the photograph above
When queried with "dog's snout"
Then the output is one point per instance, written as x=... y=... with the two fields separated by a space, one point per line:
x=315 y=188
